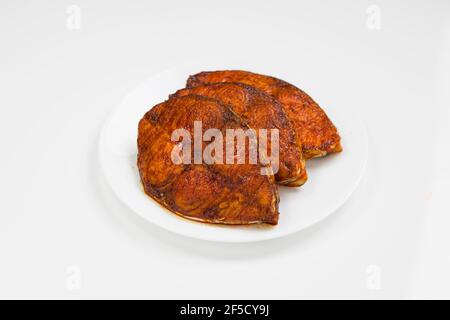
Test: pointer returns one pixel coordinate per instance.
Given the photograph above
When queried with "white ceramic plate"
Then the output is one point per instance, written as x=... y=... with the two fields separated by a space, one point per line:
x=331 y=180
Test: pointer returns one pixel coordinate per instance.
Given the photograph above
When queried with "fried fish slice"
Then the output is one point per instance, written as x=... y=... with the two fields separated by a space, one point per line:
x=261 y=111
x=316 y=131
x=215 y=193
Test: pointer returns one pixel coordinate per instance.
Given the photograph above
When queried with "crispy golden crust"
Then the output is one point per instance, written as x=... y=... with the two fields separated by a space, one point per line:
x=260 y=111
x=316 y=131
x=217 y=193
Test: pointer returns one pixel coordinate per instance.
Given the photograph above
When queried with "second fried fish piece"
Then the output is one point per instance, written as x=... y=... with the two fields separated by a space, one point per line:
x=261 y=111
x=317 y=133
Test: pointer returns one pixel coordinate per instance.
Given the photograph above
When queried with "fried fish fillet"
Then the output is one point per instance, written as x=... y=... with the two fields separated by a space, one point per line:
x=317 y=133
x=261 y=111
x=213 y=193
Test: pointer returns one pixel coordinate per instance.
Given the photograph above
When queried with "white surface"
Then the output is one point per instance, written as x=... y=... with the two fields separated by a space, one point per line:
x=331 y=181
x=59 y=220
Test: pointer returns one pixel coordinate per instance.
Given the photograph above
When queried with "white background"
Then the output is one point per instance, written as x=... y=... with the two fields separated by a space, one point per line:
x=63 y=234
